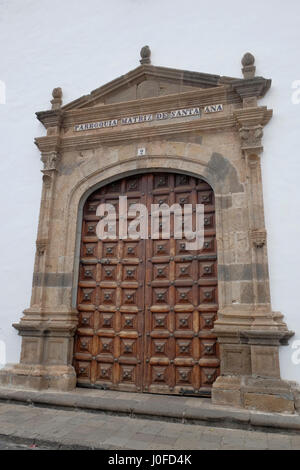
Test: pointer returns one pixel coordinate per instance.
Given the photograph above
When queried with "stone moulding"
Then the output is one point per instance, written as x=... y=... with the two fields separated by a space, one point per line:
x=272 y=338
x=224 y=149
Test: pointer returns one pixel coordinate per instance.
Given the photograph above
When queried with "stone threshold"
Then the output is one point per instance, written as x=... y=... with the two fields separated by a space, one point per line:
x=190 y=410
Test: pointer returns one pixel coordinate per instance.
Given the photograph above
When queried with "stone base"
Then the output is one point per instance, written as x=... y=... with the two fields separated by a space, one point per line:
x=254 y=393
x=38 y=377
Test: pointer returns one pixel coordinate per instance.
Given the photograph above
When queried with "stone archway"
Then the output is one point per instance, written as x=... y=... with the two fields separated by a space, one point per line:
x=147 y=307
x=216 y=136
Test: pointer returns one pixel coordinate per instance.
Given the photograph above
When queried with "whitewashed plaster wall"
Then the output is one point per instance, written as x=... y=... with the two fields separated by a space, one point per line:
x=82 y=44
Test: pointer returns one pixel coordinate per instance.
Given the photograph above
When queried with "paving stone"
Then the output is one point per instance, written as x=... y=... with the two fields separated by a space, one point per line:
x=230 y=442
x=195 y=409
x=256 y=443
x=279 y=442
x=163 y=439
x=138 y=445
x=79 y=429
x=295 y=442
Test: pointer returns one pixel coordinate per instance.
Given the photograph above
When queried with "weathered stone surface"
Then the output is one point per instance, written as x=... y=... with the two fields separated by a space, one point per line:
x=223 y=148
x=226 y=397
x=267 y=402
x=61 y=429
x=182 y=409
x=223 y=175
x=39 y=378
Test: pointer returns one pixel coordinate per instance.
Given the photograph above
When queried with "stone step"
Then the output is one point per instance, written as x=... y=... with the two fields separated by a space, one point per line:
x=189 y=410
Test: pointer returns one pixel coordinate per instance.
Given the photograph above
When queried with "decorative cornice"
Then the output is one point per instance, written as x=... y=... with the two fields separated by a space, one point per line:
x=89 y=141
x=266 y=337
x=94 y=138
x=48 y=143
x=147 y=105
x=252 y=87
x=247 y=117
x=38 y=328
x=198 y=97
x=50 y=118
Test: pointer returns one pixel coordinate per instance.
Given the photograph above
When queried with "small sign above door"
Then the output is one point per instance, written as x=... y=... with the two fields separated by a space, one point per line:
x=142 y=118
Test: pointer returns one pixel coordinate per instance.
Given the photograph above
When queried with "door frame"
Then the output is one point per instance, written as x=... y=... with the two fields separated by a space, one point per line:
x=79 y=241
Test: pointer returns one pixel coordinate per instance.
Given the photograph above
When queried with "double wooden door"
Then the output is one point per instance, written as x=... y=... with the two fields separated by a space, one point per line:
x=147 y=307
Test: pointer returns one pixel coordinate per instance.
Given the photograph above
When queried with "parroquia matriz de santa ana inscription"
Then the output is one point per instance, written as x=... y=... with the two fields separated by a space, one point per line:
x=178 y=113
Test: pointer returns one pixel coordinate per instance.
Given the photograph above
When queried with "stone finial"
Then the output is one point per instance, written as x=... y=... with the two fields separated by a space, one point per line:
x=57 y=98
x=249 y=68
x=145 y=55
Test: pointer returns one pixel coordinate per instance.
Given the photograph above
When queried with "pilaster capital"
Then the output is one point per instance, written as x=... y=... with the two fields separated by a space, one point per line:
x=251 y=138
x=50 y=160
x=41 y=246
x=250 y=123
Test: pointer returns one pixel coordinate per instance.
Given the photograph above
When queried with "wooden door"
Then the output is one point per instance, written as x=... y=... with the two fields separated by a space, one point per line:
x=147 y=307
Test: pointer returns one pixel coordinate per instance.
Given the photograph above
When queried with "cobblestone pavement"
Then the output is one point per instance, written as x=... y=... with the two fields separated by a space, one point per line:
x=28 y=426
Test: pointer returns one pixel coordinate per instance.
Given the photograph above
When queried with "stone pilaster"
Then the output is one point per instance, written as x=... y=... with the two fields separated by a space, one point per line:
x=249 y=341
x=47 y=329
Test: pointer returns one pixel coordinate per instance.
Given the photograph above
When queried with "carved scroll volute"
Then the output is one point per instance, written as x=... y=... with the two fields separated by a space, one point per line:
x=41 y=246
x=251 y=138
x=50 y=160
x=250 y=123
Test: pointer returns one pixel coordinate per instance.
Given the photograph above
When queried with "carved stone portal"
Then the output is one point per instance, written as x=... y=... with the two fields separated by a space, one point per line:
x=88 y=145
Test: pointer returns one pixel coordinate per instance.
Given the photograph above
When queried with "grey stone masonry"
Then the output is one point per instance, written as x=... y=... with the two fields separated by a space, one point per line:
x=186 y=410
x=60 y=429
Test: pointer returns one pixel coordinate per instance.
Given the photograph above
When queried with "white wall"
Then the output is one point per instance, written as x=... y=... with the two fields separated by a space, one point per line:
x=82 y=44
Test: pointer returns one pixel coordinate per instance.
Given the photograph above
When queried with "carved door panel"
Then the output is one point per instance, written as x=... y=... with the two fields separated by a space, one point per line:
x=181 y=354
x=147 y=307
x=109 y=339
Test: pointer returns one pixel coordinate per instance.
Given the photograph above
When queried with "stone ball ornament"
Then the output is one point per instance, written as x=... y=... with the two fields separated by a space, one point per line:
x=248 y=59
x=145 y=52
x=57 y=92
x=145 y=55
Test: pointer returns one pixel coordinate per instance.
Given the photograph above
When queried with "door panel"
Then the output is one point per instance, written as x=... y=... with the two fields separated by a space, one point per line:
x=147 y=307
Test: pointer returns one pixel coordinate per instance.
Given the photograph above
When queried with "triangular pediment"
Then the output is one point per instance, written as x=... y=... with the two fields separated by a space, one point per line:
x=147 y=81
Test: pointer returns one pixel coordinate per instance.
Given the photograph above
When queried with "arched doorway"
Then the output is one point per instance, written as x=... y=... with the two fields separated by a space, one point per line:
x=147 y=307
